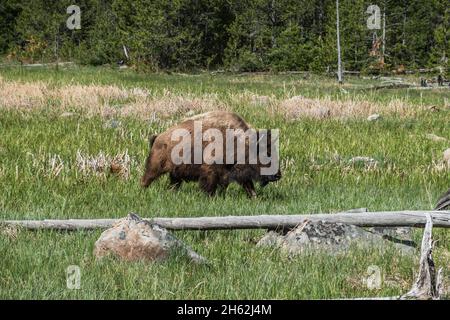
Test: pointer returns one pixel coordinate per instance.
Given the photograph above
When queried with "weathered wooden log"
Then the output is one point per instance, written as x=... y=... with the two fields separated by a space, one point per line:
x=370 y=219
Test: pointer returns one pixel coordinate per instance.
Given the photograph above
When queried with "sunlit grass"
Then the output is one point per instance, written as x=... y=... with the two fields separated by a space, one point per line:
x=40 y=178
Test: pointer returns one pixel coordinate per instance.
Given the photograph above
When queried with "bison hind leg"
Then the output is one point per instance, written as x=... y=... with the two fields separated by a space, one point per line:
x=222 y=189
x=249 y=188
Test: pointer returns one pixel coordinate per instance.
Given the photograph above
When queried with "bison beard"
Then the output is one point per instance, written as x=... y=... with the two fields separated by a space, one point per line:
x=210 y=177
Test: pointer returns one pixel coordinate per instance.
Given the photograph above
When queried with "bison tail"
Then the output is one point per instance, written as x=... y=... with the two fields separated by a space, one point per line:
x=152 y=139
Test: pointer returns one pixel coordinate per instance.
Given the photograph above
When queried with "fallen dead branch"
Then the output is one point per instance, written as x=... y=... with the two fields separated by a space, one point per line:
x=370 y=219
x=429 y=284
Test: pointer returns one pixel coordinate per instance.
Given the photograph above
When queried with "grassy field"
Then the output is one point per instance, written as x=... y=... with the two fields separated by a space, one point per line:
x=53 y=121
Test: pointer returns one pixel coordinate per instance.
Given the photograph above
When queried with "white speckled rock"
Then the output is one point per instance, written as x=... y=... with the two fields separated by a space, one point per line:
x=133 y=238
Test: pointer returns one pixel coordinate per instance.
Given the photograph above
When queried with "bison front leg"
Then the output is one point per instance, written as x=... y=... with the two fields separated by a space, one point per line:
x=222 y=189
x=175 y=183
x=249 y=188
x=209 y=183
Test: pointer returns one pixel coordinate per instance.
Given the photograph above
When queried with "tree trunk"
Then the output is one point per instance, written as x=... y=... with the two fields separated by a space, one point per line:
x=338 y=43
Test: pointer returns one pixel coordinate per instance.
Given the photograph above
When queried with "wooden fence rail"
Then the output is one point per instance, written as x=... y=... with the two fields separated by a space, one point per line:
x=367 y=219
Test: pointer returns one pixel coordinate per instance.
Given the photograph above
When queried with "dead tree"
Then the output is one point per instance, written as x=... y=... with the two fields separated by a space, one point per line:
x=428 y=284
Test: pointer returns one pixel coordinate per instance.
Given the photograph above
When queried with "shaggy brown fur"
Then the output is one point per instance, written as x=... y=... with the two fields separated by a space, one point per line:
x=209 y=176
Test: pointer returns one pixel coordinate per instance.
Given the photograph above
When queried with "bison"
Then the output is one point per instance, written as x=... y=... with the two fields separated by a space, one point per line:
x=218 y=168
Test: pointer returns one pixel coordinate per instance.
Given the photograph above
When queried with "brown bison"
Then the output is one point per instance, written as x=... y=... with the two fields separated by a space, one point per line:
x=174 y=152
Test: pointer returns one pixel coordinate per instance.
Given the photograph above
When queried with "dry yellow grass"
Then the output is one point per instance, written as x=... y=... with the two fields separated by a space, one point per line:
x=169 y=104
x=438 y=166
x=113 y=101
x=99 y=165
x=10 y=232
x=88 y=96
x=22 y=95
x=100 y=100
x=299 y=107
x=46 y=164
x=253 y=100
x=102 y=164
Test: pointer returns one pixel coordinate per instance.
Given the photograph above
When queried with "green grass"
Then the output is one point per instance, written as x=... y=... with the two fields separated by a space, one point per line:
x=32 y=264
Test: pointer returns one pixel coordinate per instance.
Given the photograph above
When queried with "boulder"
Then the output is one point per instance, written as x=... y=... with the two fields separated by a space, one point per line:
x=67 y=114
x=260 y=101
x=133 y=238
x=435 y=138
x=112 y=124
x=400 y=235
x=374 y=117
x=367 y=161
x=330 y=237
x=447 y=156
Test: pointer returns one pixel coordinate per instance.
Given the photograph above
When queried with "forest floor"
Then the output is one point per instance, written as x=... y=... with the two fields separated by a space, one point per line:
x=54 y=123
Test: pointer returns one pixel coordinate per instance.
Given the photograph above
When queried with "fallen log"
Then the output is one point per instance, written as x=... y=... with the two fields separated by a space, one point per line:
x=393 y=85
x=369 y=219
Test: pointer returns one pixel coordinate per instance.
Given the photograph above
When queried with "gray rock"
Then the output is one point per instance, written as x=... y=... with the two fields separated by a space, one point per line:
x=67 y=114
x=271 y=238
x=435 y=138
x=261 y=101
x=374 y=117
x=401 y=235
x=366 y=160
x=112 y=124
x=133 y=238
x=330 y=237
x=447 y=156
